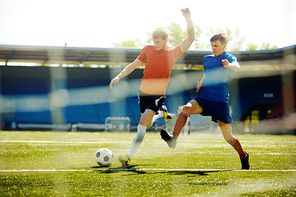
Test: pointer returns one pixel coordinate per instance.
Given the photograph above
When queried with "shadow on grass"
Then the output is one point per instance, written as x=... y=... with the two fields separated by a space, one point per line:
x=131 y=168
x=192 y=172
x=134 y=169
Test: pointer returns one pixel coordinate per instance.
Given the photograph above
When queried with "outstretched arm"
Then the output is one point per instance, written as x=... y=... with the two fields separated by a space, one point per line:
x=190 y=31
x=126 y=71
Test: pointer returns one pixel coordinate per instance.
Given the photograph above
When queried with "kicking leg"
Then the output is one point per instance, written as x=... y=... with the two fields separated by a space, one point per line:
x=192 y=107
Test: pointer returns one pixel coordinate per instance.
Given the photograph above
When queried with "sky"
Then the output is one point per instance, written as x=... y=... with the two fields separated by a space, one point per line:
x=100 y=23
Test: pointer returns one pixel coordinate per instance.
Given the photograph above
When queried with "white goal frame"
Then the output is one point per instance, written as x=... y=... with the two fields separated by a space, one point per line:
x=118 y=124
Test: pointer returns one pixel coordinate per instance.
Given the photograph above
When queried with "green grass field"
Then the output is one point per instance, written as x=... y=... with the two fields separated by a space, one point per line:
x=63 y=164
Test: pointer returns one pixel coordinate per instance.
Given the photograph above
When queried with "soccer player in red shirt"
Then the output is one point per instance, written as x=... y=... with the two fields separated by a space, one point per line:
x=160 y=59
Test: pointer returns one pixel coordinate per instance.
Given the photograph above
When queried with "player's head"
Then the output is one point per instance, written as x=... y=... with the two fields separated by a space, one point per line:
x=218 y=43
x=160 y=38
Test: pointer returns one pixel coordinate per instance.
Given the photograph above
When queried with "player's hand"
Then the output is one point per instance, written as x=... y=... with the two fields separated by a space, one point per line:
x=114 y=81
x=198 y=87
x=186 y=12
x=225 y=63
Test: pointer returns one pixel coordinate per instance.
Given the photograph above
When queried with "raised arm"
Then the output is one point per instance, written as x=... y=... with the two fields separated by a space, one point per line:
x=190 y=31
x=126 y=71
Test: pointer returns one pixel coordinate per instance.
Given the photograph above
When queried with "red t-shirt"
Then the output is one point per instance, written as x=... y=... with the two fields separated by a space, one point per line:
x=158 y=68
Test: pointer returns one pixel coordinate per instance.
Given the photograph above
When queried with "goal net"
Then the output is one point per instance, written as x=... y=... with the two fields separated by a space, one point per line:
x=117 y=124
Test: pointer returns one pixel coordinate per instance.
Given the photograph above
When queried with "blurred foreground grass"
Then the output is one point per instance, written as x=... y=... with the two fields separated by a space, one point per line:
x=62 y=164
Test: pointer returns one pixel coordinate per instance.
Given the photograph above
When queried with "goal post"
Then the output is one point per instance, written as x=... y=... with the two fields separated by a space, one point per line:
x=117 y=124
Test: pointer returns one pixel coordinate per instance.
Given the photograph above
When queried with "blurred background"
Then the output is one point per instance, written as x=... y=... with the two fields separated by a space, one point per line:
x=58 y=57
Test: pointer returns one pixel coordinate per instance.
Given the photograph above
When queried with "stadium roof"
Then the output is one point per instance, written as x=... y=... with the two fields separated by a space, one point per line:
x=116 y=56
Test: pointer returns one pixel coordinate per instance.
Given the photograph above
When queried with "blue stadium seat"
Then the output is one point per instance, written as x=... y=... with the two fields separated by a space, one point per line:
x=29 y=86
x=76 y=83
x=80 y=113
x=97 y=82
x=42 y=116
x=103 y=110
x=30 y=98
x=6 y=87
x=133 y=109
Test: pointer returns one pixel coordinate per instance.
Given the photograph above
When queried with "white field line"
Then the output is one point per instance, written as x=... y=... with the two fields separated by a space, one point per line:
x=46 y=170
x=218 y=170
x=54 y=142
x=144 y=169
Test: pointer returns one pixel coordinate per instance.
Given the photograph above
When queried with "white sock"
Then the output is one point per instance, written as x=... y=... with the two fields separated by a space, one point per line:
x=137 y=140
x=159 y=115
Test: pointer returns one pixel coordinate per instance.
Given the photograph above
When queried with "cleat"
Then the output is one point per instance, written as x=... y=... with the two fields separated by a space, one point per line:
x=245 y=162
x=125 y=161
x=166 y=115
x=168 y=138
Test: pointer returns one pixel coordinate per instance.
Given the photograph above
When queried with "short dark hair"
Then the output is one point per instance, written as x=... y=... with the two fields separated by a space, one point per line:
x=219 y=36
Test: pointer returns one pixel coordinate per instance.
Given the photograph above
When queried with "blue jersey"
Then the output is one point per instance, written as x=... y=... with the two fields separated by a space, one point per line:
x=216 y=81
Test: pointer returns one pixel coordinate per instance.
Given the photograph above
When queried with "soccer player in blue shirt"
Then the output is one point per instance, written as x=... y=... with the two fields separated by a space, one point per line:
x=213 y=96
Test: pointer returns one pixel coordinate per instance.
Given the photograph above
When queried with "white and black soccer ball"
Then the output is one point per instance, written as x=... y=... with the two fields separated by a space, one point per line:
x=104 y=157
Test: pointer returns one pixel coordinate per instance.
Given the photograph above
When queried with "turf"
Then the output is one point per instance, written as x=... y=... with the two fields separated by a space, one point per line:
x=63 y=164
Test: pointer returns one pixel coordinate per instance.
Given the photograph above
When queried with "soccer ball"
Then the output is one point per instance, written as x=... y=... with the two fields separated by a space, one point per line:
x=104 y=157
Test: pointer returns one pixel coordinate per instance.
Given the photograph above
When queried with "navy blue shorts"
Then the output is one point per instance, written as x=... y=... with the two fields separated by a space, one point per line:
x=149 y=101
x=218 y=110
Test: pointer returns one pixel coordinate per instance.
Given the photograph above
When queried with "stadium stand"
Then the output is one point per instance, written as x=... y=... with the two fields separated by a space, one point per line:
x=103 y=110
x=18 y=91
x=82 y=95
x=283 y=116
x=286 y=107
x=249 y=86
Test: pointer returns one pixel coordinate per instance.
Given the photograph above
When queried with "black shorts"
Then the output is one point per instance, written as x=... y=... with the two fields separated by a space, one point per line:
x=150 y=101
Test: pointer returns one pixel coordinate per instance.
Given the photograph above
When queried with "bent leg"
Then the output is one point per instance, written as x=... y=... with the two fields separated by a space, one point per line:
x=233 y=141
x=192 y=107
